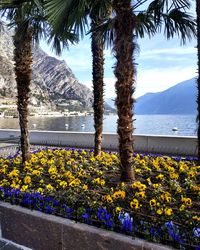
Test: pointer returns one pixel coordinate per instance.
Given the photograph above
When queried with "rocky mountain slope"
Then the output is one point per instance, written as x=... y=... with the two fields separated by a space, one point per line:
x=52 y=81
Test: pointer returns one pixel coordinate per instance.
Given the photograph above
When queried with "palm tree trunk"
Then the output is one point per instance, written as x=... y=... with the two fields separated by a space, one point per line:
x=124 y=72
x=198 y=77
x=98 y=84
x=23 y=62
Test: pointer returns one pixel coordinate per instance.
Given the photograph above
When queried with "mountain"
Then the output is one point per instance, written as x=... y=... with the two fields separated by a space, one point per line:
x=179 y=99
x=52 y=80
x=111 y=102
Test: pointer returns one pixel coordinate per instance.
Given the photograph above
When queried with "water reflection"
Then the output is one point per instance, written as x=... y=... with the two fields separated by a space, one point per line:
x=144 y=124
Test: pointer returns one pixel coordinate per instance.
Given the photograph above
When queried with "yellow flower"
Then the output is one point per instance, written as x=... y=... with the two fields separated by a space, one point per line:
x=52 y=170
x=168 y=211
x=102 y=183
x=160 y=211
x=122 y=184
x=24 y=188
x=197 y=218
x=15 y=185
x=140 y=194
x=40 y=190
x=153 y=202
x=119 y=195
x=186 y=201
x=49 y=187
x=156 y=185
x=134 y=204
x=41 y=181
x=160 y=176
x=27 y=179
x=166 y=196
x=174 y=176
x=138 y=185
x=92 y=159
x=74 y=183
x=36 y=172
x=43 y=161
x=14 y=173
x=149 y=180
x=85 y=187
x=118 y=210
x=107 y=198
x=63 y=184
x=182 y=207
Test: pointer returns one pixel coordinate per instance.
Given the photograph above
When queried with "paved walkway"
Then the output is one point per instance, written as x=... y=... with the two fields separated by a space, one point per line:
x=8 y=245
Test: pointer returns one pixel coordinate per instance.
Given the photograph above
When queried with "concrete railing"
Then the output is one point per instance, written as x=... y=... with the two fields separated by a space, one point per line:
x=175 y=145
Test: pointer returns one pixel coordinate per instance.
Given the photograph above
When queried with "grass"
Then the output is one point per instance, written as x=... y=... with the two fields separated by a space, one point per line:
x=162 y=205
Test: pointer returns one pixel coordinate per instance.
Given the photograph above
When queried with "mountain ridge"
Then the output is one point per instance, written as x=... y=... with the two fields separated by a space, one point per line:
x=52 y=80
x=178 y=99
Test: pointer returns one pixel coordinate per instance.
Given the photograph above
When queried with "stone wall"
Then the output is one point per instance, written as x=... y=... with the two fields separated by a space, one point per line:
x=40 y=231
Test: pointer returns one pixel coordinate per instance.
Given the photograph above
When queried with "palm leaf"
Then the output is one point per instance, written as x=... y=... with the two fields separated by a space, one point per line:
x=179 y=23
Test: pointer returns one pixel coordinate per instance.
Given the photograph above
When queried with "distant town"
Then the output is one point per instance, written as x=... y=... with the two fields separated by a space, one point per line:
x=8 y=109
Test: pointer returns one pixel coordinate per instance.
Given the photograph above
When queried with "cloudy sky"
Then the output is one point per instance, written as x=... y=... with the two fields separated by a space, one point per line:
x=161 y=64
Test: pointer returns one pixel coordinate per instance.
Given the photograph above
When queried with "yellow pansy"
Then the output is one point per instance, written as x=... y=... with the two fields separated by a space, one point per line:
x=119 y=195
x=27 y=179
x=134 y=204
x=168 y=211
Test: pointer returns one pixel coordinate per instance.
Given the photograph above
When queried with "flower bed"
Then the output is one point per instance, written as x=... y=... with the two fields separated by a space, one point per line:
x=161 y=206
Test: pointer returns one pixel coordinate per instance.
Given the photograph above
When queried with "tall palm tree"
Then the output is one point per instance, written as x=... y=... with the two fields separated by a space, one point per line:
x=98 y=83
x=76 y=14
x=30 y=24
x=127 y=23
x=124 y=48
x=198 y=77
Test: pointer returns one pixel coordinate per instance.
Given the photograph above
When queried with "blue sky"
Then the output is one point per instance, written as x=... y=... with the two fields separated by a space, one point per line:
x=161 y=64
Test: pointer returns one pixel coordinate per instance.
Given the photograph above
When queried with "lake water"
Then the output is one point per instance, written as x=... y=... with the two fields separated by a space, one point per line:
x=144 y=124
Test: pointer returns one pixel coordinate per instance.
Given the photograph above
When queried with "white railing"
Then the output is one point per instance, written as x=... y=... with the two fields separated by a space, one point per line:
x=176 y=145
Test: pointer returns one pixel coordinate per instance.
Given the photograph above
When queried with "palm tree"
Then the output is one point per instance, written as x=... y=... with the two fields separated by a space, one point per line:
x=198 y=77
x=98 y=83
x=124 y=48
x=29 y=21
x=76 y=14
x=127 y=24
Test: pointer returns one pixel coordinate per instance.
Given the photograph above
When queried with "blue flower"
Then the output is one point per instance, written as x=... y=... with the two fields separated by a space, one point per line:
x=173 y=230
x=105 y=217
x=196 y=232
x=126 y=222
x=67 y=210
x=198 y=247
x=49 y=209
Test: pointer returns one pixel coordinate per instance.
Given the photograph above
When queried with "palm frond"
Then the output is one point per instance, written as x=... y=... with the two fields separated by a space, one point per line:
x=179 y=23
x=68 y=15
x=144 y=25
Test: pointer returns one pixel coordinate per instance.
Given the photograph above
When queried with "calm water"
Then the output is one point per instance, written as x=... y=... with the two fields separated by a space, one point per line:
x=144 y=124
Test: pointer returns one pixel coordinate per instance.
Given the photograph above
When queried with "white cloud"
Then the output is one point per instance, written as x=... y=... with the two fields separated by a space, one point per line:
x=153 y=80
x=156 y=80
x=167 y=51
